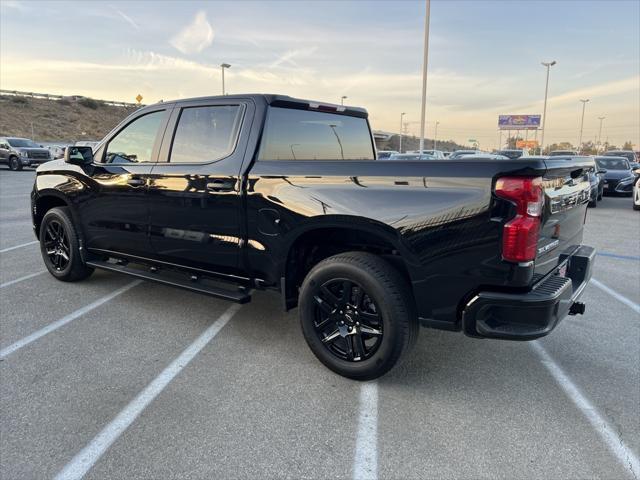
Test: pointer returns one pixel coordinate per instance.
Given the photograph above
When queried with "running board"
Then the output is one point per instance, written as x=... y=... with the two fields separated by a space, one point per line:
x=175 y=279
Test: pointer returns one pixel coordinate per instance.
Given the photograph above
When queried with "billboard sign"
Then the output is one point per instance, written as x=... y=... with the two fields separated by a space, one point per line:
x=519 y=122
x=526 y=144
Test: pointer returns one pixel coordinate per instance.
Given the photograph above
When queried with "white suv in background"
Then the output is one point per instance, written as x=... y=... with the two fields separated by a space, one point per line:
x=437 y=154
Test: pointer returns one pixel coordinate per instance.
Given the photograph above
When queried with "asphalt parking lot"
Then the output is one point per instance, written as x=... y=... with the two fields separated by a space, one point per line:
x=117 y=378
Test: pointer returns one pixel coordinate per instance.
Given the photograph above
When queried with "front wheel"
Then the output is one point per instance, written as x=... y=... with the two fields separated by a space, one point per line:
x=357 y=315
x=15 y=164
x=60 y=246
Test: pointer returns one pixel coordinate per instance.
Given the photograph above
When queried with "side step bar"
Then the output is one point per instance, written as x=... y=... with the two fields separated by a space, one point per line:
x=173 y=278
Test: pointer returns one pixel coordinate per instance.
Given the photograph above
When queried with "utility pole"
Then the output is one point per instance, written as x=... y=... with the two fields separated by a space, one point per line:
x=401 y=117
x=223 y=66
x=342 y=99
x=544 y=110
x=435 y=136
x=600 y=131
x=584 y=104
x=425 y=63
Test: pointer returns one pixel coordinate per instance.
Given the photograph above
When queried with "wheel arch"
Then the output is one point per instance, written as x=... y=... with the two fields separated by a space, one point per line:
x=46 y=200
x=318 y=242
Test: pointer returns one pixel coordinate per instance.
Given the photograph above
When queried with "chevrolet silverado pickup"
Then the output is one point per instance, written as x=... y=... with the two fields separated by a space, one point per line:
x=228 y=195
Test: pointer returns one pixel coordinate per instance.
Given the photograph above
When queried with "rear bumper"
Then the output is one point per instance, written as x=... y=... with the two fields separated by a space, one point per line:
x=534 y=314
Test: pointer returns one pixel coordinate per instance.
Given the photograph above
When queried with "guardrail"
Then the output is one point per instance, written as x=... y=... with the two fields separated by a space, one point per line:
x=74 y=98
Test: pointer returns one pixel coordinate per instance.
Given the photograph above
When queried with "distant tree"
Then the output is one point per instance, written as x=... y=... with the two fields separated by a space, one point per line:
x=512 y=141
x=589 y=148
x=90 y=103
x=559 y=146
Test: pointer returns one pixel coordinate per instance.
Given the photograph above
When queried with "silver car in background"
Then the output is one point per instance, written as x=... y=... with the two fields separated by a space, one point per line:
x=18 y=153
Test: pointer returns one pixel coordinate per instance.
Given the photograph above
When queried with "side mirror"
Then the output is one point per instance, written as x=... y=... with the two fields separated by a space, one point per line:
x=78 y=155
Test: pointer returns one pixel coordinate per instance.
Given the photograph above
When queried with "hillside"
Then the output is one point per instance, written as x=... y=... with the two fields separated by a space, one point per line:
x=58 y=120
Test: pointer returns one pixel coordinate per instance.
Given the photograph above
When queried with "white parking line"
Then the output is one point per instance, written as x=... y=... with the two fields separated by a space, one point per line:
x=18 y=280
x=89 y=455
x=64 y=320
x=8 y=249
x=365 y=464
x=628 y=459
x=621 y=298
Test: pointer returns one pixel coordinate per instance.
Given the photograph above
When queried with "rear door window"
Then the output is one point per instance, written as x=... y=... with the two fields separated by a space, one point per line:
x=306 y=135
x=205 y=134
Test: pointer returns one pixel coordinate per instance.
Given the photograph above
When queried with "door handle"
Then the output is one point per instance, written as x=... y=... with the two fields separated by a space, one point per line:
x=221 y=185
x=136 y=182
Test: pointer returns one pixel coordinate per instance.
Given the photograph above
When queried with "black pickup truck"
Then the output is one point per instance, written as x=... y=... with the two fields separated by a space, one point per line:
x=224 y=195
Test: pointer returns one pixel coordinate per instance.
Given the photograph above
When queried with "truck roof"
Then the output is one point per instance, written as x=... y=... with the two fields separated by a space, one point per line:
x=286 y=101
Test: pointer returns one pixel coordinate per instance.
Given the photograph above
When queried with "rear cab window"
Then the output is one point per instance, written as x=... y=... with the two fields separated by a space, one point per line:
x=304 y=135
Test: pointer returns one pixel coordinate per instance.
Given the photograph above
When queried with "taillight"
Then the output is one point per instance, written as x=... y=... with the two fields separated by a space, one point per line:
x=520 y=235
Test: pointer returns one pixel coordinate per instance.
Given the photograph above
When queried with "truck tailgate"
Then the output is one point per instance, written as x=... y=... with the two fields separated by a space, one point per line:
x=566 y=188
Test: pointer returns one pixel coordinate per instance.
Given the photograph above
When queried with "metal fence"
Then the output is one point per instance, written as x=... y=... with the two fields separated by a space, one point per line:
x=50 y=96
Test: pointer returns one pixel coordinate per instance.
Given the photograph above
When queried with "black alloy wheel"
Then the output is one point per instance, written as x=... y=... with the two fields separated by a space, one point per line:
x=347 y=320
x=60 y=246
x=357 y=314
x=57 y=245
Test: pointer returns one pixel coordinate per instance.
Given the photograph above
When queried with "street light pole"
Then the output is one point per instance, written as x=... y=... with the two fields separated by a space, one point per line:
x=223 y=66
x=584 y=104
x=544 y=110
x=600 y=131
x=435 y=136
x=342 y=99
x=425 y=62
x=400 y=146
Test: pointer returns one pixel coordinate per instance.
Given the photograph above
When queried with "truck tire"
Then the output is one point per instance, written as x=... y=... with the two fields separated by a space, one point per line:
x=15 y=164
x=357 y=315
x=60 y=246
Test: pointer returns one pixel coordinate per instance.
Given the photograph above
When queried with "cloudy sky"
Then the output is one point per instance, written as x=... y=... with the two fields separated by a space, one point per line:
x=484 y=57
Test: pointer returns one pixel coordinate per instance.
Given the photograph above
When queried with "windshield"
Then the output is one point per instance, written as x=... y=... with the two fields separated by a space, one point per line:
x=559 y=153
x=512 y=154
x=462 y=153
x=404 y=156
x=22 y=142
x=628 y=155
x=613 y=163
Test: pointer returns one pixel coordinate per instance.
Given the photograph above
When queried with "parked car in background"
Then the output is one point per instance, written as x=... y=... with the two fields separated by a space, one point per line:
x=22 y=152
x=619 y=177
x=483 y=156
x=437 y=154
x=563 y=153
x=596 y=179
x=636 y=190
x=461 y=153
x=86 y=143
x=628 y=154
x=57 y=151
x=385 y=154
x=513 y=153
x=408 y=157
